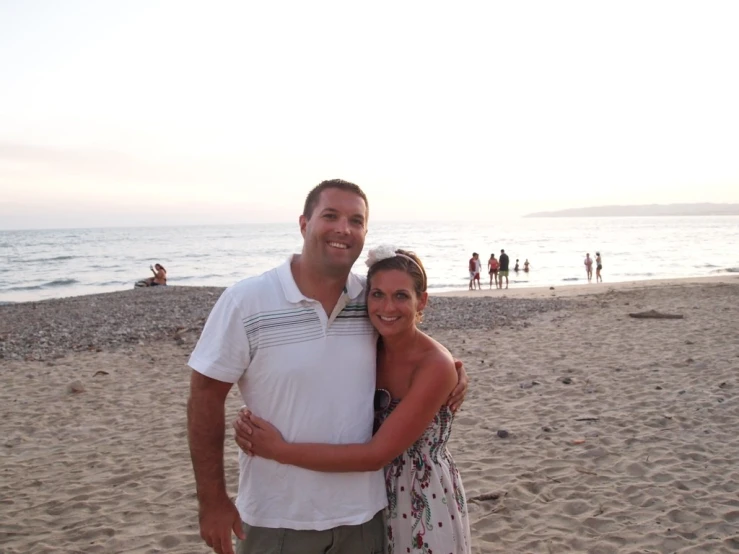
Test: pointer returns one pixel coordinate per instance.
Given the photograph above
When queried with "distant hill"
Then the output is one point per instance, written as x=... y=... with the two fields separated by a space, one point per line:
x=644 y=211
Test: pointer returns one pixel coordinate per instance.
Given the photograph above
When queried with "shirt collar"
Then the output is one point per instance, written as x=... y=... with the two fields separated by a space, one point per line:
x=353 y=288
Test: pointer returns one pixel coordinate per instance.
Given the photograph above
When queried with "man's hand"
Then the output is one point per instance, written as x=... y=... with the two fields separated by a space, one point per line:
x=217 y=520
x=460 y=391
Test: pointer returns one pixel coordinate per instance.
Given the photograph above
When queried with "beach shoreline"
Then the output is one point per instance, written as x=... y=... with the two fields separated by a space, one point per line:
x=621 y=432
x=585 y=289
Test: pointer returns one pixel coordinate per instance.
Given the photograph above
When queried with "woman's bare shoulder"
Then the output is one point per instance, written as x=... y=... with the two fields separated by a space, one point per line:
x=436 y=356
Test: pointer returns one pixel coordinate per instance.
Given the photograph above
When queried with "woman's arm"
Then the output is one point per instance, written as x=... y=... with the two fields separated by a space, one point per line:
x=428 y=392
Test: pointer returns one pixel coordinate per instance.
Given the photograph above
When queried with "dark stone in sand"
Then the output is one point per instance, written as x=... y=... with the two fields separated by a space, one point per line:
x=654 y=314
x=566 y=381
x=503 y=434
x=658 y=387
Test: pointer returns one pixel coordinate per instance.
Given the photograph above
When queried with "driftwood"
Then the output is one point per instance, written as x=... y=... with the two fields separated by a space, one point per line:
x=654 y=314
x=486 y=496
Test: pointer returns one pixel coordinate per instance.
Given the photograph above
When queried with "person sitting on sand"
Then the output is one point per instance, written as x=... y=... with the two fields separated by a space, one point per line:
x=160 y=276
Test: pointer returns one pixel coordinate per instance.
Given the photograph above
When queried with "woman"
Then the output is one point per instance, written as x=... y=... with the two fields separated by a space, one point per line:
x=427 y=510
x=160 y=276
x=493 y=270
x=598 y=268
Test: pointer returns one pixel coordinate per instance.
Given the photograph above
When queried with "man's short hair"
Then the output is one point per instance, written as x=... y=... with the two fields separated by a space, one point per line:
x=311 y=201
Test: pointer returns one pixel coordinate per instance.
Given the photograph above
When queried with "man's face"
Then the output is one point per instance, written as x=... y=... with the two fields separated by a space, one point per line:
x=334 y=234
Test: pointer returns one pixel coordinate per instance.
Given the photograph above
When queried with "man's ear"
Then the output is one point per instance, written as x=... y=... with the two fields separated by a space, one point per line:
x=302 y=222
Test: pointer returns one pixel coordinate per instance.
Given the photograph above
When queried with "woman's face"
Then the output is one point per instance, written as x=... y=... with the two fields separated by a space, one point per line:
x=392 y=302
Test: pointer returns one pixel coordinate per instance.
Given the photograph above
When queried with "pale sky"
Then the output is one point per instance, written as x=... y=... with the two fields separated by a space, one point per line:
x=148 y=112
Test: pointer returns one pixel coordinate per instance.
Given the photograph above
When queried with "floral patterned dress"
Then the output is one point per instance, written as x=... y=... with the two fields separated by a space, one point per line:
x=427 y=509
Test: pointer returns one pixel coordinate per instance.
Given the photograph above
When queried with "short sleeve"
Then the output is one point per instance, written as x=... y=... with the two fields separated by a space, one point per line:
x=222 y=352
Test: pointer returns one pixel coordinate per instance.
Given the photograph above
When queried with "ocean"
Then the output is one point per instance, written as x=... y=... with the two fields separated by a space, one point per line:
x=40 y=264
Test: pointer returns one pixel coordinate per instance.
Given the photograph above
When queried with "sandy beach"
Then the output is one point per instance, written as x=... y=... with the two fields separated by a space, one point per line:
x=620 y=433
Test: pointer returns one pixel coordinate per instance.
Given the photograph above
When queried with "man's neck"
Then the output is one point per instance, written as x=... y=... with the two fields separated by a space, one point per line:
x=316 y=284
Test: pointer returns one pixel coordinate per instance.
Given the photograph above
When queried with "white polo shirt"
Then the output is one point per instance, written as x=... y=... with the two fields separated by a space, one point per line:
x=310 y=375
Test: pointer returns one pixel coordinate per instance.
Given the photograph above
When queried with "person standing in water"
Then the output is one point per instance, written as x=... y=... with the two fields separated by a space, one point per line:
x=493 y=270
x=598 y=268
x=503 y=271
x=589 y=266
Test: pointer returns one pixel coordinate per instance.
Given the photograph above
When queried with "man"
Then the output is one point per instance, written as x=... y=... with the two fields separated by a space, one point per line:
x=298 y=342
x=503 y=271
x=477 y=268
x=472 y=264
x=589 y=266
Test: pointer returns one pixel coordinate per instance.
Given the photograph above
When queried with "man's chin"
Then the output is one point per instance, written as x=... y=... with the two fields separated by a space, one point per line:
x=338 y=267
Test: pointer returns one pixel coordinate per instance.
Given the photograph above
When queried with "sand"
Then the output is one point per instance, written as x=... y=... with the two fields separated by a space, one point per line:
x=622 y=432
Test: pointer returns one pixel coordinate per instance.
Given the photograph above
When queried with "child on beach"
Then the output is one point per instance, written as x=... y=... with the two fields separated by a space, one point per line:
x=427 y=509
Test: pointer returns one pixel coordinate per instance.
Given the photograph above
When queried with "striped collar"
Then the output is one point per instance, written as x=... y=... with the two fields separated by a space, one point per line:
x=353 y=288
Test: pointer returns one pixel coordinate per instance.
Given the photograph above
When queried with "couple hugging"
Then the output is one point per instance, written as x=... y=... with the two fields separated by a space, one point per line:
x=320 y=355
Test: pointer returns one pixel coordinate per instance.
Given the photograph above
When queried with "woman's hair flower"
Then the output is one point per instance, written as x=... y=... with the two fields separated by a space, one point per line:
x=380 y=253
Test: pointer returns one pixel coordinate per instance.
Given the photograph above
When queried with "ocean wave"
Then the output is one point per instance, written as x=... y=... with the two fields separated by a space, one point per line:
x=572 y=279
x=43 y=260
x=448 y=285
x=49 y=285
x=728 y=270
x=200 y=277
x=110 y=283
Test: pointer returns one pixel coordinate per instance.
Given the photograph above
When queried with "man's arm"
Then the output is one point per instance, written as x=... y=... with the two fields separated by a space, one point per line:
x=206 y=431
